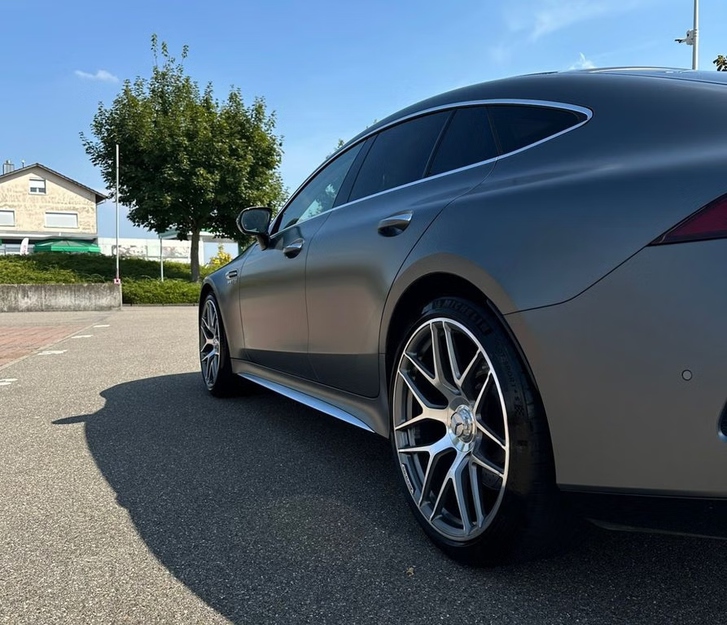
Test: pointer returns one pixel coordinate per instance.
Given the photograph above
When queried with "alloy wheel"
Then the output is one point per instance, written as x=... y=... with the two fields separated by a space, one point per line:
x=209 y=341
x=450 y=428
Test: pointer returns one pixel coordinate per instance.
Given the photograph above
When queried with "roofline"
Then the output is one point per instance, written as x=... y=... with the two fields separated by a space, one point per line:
x=100 y=197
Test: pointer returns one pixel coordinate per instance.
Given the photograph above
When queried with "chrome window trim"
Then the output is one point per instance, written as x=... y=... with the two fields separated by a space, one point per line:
x=588 y=113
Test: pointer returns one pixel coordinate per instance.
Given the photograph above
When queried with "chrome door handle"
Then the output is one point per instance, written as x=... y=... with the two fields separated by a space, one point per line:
x=396 y=224
x=232 y=273
x=293 y=249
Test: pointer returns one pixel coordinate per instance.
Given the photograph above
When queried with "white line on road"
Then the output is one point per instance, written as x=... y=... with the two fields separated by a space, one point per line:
x=7 y=381
x=82 y=336
x=102 y=325
x=51 y=352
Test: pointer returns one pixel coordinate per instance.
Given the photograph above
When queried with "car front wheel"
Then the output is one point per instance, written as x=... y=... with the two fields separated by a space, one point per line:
x=470 y=438
x=214 y=353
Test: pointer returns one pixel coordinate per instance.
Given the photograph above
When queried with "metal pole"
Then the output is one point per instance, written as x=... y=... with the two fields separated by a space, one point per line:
x=161 y=260
x=118 y=279
x=695 y=47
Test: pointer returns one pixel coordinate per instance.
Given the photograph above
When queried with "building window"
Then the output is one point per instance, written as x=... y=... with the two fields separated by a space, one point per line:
x=61 y=220
x=37 y=185
x=7 y=218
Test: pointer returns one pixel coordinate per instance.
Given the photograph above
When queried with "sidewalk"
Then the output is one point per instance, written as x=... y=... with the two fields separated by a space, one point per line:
x=24 y=333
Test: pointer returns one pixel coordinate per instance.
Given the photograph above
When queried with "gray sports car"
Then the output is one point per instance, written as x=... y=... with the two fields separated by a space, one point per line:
x=518 y=283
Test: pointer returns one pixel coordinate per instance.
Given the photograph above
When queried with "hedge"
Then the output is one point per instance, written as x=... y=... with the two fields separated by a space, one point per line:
x=158 y=292
x=140 y=283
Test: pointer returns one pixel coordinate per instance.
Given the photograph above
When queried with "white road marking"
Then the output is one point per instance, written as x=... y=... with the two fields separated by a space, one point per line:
x=51 y=352
x=102 y=325
x=82 y=336
x=7 y=381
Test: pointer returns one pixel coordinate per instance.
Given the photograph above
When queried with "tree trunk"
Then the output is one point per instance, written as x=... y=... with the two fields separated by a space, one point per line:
x=194 y=260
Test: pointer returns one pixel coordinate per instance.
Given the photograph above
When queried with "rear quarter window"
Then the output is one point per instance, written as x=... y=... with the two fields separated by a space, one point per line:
x=517 y=126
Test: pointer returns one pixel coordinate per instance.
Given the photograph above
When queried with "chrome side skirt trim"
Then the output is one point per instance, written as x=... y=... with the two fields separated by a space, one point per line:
x=307 y=400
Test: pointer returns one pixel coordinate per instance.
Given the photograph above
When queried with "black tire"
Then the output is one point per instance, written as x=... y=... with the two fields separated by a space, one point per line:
x=520 y=511
x=220 y=382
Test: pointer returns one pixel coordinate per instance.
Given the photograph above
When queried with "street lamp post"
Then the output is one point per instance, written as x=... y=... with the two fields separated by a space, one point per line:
x=117 y=280
x=692 y=38
x=695 y=46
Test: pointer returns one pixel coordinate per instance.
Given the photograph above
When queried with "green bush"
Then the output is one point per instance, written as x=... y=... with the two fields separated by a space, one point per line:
x=158 y=292
x=54 y=267
x=140 y=278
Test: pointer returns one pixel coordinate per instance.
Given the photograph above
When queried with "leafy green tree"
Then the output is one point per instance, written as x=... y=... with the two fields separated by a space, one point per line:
x=188 y=162
x=721 y=63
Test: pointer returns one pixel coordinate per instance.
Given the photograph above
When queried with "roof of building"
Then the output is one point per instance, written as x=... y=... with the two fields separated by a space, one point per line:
x=100 y=197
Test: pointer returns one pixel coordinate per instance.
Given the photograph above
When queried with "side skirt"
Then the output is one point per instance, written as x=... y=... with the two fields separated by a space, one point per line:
x=363 y=412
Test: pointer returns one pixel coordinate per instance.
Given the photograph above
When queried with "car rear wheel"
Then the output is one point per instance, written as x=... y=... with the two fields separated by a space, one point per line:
x=470 y=438
x=214 y=353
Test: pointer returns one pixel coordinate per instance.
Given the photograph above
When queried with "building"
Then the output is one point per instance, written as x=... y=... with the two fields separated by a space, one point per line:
x=39 y=203
x=148 y=249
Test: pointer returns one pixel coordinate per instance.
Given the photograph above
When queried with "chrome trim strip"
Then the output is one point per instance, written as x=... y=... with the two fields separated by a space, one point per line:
x=454 y=105
x=308 y=400
x=542 y=103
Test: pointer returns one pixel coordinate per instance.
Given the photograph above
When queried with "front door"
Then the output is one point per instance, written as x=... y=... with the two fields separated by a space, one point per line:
x=272 y=281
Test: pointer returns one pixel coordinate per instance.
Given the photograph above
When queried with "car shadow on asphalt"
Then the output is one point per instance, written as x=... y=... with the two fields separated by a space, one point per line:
x=272 y=512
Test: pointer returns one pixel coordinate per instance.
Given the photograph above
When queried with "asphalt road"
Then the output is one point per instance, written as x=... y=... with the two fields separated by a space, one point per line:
x=127 y=494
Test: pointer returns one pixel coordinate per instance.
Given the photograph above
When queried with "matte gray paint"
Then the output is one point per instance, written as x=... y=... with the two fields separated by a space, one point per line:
x=556 y=238
x=351 y=267
x=273 y=301
x=608 y=366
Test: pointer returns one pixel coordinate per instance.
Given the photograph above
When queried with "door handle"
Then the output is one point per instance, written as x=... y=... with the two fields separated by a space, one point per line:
x=394 y=225
x=232 y=273
x=293 y=249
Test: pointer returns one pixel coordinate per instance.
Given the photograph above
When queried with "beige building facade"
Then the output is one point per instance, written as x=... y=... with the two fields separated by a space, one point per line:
x=39 y=203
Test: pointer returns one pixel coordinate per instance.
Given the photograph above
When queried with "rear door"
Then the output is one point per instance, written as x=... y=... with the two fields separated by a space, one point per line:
x=410 y=173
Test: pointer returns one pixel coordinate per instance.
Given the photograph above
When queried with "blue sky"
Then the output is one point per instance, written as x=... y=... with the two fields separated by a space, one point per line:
x=327 y=68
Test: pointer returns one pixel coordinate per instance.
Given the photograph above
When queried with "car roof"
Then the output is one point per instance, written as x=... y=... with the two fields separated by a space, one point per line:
x=573 y=86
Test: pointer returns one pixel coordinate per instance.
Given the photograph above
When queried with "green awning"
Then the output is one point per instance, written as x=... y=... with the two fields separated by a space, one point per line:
x=67 y=245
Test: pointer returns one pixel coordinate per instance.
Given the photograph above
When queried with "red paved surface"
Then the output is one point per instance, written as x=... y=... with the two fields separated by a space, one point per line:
x=19 y=341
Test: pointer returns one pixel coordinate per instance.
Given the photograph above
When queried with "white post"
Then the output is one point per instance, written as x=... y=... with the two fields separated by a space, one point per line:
x=118 y=278
x=695 y=47
x=161 y=260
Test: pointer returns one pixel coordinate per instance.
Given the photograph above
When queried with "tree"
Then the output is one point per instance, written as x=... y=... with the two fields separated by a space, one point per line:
x=220 y=259
x=188 y=161
x=721 y=63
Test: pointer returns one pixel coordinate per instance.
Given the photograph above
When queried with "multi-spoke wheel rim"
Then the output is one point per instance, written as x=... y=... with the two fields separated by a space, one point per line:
x=450 y=428
x=209 y=343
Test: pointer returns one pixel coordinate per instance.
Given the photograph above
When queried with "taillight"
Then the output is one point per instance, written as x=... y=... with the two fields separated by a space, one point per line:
x=709 y=222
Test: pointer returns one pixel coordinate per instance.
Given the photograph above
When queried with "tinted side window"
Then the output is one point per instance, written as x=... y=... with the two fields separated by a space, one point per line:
x=398 y=155
x=468 y=139
x=320 y=193
x=517 y=125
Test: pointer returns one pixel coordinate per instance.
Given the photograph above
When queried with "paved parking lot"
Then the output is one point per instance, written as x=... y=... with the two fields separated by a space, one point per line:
x=129 y=495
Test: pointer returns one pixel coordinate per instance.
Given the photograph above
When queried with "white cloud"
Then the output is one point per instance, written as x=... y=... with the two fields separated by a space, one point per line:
x=538 y=18
x=583 y=63
x=101 y=75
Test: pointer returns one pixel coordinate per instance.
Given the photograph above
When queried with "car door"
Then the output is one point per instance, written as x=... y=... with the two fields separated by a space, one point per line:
x=401 y=187
x=272 y=280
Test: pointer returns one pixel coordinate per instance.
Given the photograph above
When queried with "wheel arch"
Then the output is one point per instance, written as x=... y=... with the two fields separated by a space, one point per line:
x=204 y=292
x=423 y=289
